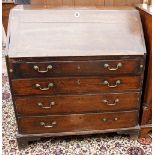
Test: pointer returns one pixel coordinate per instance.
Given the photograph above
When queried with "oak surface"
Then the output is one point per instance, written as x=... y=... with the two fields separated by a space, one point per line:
x=75 y=122
x=80 y=32
x=25 y=69
x=70 y=104
x=73 y=85
x=79 y=94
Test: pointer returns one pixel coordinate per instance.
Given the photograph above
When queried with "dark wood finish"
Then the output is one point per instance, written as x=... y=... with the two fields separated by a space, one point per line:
x=91 y=37
x=63 y=104
x=146 y=116
x=72 y=85
x=28 y=61
x=22 y=143
x=34 y=136
x=133 y=134
x=70 y=68
x=6 y=7
x=25 y=138
x=77 y=122
x=79 y=85
x=145 y=131
x=147 y=101
x=140 y=58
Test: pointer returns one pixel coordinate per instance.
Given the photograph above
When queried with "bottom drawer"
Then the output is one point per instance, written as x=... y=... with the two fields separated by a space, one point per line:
x=77 y=122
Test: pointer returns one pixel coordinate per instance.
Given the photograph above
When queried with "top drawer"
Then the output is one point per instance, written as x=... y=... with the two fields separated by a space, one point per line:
x=51 y=68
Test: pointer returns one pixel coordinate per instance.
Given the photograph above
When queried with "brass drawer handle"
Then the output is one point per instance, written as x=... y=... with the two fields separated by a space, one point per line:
x=49 y=67
x=50 y=106
x=111 y=104
x=119 y=65
x=115 y=118
x=50 y=85
x=105 y=119
x=112 y=86
x=48 y=125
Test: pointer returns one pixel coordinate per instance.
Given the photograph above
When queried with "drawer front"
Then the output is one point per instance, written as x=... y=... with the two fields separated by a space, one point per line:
x=70 y=68
x=77 y=122
x=66 y=85
x=62 y=104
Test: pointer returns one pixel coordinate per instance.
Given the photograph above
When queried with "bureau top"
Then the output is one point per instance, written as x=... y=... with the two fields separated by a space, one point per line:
x=40 y=32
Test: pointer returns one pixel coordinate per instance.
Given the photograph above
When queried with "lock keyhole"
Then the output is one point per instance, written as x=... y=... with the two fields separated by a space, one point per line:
x=77 y=14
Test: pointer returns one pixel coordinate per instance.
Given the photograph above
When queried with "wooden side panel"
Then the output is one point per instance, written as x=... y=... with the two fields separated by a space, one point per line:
x=147 y=95
x=109 y=3
x=99 y=2
x=5 y=13
x=145 y=131
x=68 y=2
x=120 y=2
x=47 y=2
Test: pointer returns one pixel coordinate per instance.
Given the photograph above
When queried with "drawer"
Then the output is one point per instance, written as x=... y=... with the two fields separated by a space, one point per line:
x=73 y=85
x=63 y=104
x=77 y=122
x=70 y=68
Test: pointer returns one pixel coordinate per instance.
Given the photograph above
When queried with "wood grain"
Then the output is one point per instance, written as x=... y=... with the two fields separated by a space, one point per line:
x=83 y=35
x=87 y=2
x=145 y=131
x=6 y=7
x=67 y=104
x=74 y=68
x=147 y=91
x=72 y=85
x=81 y=122
x=82 y=99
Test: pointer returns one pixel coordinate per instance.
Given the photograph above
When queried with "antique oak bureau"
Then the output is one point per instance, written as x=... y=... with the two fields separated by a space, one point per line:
x=75 y=71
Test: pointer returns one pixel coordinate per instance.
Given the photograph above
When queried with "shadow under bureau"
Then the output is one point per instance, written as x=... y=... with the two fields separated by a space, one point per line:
x=75 y=71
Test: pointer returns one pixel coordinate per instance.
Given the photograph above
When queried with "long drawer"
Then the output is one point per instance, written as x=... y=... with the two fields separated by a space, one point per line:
x=77 y=122
x=63 y=104
x=71 y=85
x=62 y=68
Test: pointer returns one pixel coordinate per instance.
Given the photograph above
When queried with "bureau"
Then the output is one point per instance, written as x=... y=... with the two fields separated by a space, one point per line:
x=75 y=71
